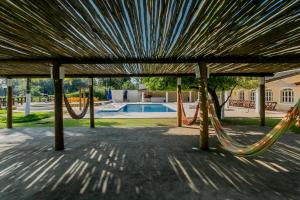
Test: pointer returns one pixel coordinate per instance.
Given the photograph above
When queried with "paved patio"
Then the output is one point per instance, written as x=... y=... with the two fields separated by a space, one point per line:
x=143 y=163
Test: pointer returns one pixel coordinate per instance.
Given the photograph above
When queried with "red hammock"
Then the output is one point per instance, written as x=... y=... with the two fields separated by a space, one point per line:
x=72 y=113
x=185 y=120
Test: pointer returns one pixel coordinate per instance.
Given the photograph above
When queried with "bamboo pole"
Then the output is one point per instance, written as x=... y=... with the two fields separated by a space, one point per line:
x=58 y=109
x=203 y=140
x=179 y=112
x=91 y=93
x=262 y=101
x=9 y=103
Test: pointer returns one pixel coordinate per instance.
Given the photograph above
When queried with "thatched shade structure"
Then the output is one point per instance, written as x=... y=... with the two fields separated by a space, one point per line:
x=126 y=37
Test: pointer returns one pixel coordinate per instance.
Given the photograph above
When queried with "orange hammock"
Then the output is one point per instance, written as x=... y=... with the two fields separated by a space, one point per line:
x=185 y=120
x=72 y=113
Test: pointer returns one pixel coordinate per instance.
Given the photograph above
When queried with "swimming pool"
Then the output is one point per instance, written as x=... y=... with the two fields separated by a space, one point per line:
x=145 y=108
x=140 y=108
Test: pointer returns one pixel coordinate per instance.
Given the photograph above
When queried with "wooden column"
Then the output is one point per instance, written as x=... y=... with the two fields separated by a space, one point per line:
x=28 y=96
x=91 y=92
x=203 y=143
x=57 y=75
x=80 y=98
x=179 y=112
x=9 y=103
x=262 y=101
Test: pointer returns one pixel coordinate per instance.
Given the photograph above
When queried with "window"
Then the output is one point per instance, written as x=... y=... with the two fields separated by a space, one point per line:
x=241 y=95
x=269 y=95
x=287 y=96
x=252 y=95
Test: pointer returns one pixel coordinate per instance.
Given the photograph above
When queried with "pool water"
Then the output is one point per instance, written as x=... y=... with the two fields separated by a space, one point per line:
x=146 y=108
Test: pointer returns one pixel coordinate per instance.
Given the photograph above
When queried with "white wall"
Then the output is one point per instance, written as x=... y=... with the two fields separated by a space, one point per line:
x=132 y=95
x=117 y=95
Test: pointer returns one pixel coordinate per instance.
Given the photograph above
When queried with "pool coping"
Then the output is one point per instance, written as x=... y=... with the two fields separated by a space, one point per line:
x=117 y=109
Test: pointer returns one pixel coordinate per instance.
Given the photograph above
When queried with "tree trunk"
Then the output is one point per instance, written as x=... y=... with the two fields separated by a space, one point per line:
x=215 y=100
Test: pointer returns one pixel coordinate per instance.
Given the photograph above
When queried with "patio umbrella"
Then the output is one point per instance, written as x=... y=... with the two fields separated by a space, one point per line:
x=109 y=96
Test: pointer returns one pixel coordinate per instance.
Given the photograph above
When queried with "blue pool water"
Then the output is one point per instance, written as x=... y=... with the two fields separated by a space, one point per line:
x=145 y=108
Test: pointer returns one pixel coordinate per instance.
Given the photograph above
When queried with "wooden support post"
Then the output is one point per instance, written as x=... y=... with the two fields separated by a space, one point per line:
x=9 y=103
x=28 y=97
x=91 y=92
x=80 y=97
x=57 y=75
x=203 y=143
x=179 y=112
x=262 y=101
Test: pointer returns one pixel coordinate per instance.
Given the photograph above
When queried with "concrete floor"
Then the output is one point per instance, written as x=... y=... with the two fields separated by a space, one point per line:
x=143 y=163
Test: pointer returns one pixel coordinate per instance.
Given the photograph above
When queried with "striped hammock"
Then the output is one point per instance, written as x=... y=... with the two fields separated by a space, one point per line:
x=262 y=145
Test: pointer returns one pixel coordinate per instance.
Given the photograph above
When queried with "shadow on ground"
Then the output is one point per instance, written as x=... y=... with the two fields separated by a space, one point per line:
x=143 y=163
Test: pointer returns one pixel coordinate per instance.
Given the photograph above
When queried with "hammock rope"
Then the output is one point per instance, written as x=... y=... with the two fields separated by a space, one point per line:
x=262 y=145
x=72 y=113
x=185 y=120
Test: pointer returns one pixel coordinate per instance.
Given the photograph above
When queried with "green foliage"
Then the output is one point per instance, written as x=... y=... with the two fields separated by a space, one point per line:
x=222 y=83
x=169 y=83
x=217 y=83
x=36 y=91
x=128 y=85
x=100 y=92
x=40 y=87
x=160 y=83
x=247 y=82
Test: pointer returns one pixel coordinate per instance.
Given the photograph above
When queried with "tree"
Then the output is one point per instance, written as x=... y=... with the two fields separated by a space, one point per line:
x=169 y=83
x=117 y=83
x=214 y=85
x=227 y=83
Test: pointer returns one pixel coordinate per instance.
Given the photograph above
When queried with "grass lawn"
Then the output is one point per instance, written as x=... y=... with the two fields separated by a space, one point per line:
x=45 y=119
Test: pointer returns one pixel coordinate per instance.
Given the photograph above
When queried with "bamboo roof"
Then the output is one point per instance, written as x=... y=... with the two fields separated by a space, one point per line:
x=148 y=37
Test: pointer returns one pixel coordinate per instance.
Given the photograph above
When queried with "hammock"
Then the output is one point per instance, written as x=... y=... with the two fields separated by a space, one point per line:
x=185 y=120
x=262 y=145
x=72 y=113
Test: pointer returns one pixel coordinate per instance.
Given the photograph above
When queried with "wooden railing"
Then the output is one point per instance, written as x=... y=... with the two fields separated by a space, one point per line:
x=251 y=104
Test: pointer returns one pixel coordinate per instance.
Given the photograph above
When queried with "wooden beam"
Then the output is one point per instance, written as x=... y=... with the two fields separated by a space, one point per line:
x=179 y=111
x=9 y=103
x=91 y=97
x=203 y=107
x=250 y=74
x=262 y=101
x=150 y=60
x=58 y=108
